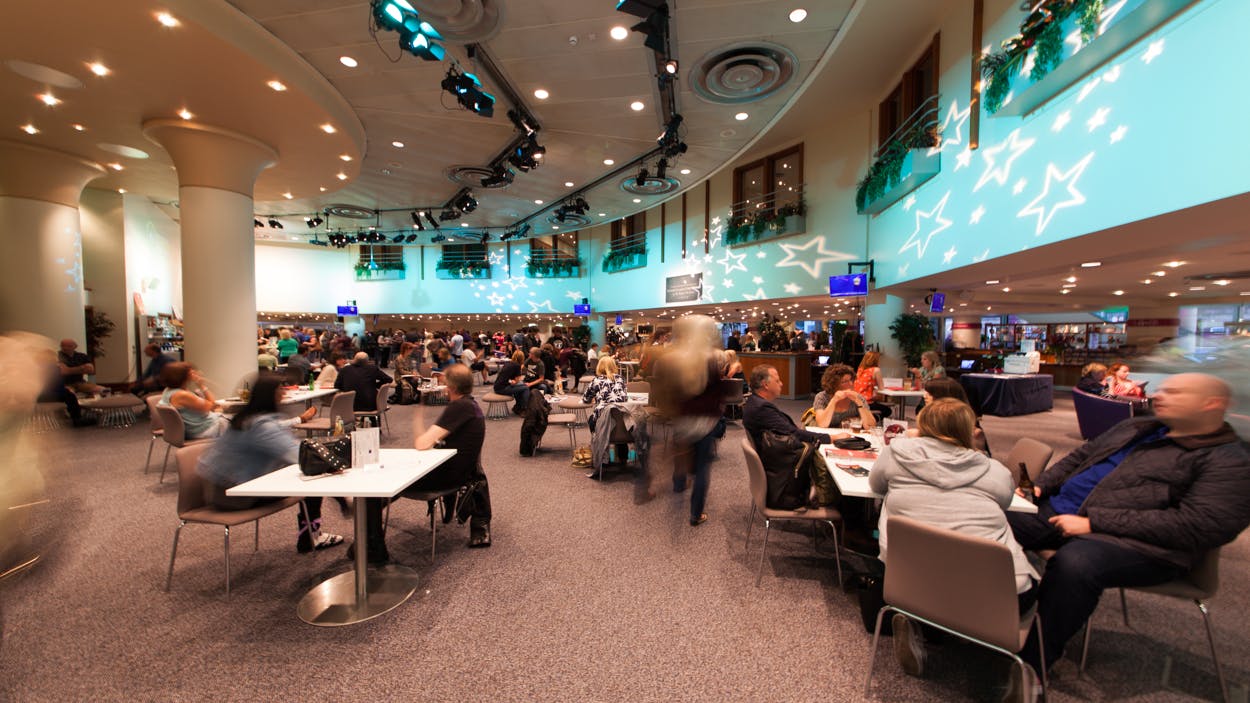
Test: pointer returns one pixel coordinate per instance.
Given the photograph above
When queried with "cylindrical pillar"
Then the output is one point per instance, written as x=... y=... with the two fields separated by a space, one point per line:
x=880 y=312
x=217 y=171
x=41 y=270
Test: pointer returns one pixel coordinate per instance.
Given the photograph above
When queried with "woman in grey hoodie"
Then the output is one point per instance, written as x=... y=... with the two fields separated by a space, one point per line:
x=939 y=478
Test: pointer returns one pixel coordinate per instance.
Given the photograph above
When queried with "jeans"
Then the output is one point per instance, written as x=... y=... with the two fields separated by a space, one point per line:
x=702 y=468
x=521 y=392
x=1075 y=578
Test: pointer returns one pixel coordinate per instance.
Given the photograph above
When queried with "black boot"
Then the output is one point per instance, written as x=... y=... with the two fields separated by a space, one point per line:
x=479 y=534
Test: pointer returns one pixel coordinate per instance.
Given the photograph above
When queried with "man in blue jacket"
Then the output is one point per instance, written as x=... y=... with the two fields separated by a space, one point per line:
x=1136 y=506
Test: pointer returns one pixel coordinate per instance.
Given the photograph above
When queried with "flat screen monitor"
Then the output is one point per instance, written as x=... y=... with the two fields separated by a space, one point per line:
x=579 y=309
x=347 y=311
x=848 y=286
x=967 y=364
x=822 y=360
x=938 y=303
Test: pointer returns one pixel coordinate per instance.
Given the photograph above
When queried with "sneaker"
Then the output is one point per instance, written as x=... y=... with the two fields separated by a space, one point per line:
x=908 y=645
x=1022 y=689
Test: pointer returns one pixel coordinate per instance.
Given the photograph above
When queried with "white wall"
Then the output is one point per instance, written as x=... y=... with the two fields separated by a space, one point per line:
x=104 y=277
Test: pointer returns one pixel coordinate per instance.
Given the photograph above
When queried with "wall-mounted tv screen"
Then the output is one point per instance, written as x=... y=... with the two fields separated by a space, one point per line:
x=938 y=303
x=580 y=309
x=851 y=285
x=347 y=311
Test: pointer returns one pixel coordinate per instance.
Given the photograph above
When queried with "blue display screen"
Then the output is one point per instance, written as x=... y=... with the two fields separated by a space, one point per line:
x=347 y=311
x=849 y=285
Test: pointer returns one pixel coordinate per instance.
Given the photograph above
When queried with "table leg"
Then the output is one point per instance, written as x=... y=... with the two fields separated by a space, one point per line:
x=361 y=593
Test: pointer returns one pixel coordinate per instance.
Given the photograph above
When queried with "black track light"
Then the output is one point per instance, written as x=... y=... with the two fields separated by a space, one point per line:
x=410 y=239
x=275 y=224
x=397 y=239
x=416 y=220
x=429 y=217
x=485 y=237
x=640 y=8
x=448 y=214
x=642 y=177
x=670 y=68
x=467 y=90
x=525 y=229
x=499 y=176
x=437 y=238
x=661 y=169
x=465 y=202
x=655 y=29
x=257 y=223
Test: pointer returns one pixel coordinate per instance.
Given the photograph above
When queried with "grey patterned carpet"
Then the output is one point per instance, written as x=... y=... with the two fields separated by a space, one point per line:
x=585 y=596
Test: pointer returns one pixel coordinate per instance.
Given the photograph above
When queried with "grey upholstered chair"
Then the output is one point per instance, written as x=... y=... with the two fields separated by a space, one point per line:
x=340 y=407
x=174 y=432
x=192 y=508
x=759 y=491
x=960 y=584
x=379 y=415
x=1033 y=454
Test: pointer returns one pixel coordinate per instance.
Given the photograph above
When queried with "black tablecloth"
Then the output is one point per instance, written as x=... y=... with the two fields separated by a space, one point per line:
x=1003 y=395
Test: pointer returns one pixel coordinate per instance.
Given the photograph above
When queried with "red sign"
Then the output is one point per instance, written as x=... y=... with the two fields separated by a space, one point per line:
x=966 y=325
x=1155 y=322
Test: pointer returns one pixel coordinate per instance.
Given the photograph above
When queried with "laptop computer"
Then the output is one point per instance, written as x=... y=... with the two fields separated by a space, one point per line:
x=822 y=360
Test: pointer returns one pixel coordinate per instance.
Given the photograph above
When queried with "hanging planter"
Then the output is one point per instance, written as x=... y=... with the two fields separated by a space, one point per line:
x=630 y=257
x=380 y=271
x=456 y=269
x=903 y=165
x=783 y=221
x=554 y=268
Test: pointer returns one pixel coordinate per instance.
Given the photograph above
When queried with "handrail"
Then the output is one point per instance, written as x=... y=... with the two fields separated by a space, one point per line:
x=924 y=116
x=791 y=196
x=633 y=240
x=545 y=256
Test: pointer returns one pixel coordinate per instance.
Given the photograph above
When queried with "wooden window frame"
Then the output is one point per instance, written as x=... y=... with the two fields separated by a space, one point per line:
x=769 y=163
x=908 y=92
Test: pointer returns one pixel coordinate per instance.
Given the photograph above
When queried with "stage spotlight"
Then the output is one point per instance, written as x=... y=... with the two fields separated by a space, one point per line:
x=437 y=238
x=661 y=169
x=499 y=176
x=581 y=206
x=415 y=36
x=641 y=179
x=485 y=237
x=527 y=155
x=275 y=224
x=429 y=217
x=257 y=223
x=465 y=202
x=419 y=45
x=670 y=67
x=655 y=28
x=468 y=92
x=449 y=214
x=521 y=122
x=416 y=220
x=525 y=229
x=397 y=239
x=410 y=239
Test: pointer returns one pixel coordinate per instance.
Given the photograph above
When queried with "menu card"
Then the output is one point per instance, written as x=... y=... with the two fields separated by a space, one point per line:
x=366 y=448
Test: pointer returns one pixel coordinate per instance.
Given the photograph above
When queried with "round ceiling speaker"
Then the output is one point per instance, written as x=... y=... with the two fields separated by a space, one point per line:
x=743 y=73
x=351 y=212
x=650 y=185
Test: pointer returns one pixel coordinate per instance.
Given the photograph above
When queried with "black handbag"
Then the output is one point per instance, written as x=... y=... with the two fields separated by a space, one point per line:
x=856 y=443
x=325 y=455
x=785 y=458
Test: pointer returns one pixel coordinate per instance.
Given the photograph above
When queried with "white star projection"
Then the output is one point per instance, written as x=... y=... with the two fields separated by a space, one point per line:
x=963 y=159
x=495 y=300
x=902 y=270
x=1061 y=121
x=733 y=262
x=1099 y=119
x=1112 y=75
x=1118 y=133
x=1152 y=52
x=757 y=295
x=948 y=255
x=952 y=127
x=1018 y=188
x=995 y=171
x=496 y=258
x=761 y=254
x=575 y=295
x=909 y=203
x=757 y=280
x=717 y=229
x=982 y=257
x=727 y=283
x=535 y=307
x=811 y=265
x=1087 y=89
x=514 y=283
x=1109 y=12
x=941 y=224
x=706 y=293
x=792 y=288
x=1038 y=205
x=977 y=215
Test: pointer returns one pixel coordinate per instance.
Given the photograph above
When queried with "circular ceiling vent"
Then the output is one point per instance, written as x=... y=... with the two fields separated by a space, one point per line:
x=571 y=219
x=743 y=73
x=478 y=177
x=351 y=212
x=650 y=186
x=463 y=21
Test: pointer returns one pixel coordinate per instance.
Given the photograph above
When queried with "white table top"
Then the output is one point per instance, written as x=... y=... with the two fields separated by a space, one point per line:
x=857 y=486
x=638 y=399
x=900 y=393
x=399 y=469
x=302 y=395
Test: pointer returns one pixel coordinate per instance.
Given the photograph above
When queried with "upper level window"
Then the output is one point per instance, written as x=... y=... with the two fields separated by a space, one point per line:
x=770 y=182
x=464 y=252
x=918 y=85
x=629 y=231
x=381 y=254
x=557 y=247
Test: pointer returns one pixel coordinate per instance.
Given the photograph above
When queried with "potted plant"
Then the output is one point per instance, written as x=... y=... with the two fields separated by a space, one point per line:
x=914 y=336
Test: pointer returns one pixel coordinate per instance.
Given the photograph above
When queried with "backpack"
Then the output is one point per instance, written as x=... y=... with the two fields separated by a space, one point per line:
x=785 y=458
x=535 y=423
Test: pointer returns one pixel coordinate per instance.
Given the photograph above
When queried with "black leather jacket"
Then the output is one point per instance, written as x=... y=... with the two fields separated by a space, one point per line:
x=1172 y=499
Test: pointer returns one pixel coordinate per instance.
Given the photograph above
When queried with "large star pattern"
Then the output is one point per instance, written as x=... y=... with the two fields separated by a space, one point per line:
x=495 y=300
x=952 y=127
x=575 y=295
x=811 y=265
x=757 y=295
x=997 y=172
x=1069 y=178
x=792 y=288
x=514 y=283
x=733 y=262
x=535 y=307
x=941 y=224
x=496 y=258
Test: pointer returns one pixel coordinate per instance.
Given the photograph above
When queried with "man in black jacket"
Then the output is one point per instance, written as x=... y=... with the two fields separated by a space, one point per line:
x=1136 y=506
x=365 y=378
x=760 y=414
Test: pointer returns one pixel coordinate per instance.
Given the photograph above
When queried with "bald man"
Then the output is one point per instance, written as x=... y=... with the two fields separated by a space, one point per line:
x=1136 y=506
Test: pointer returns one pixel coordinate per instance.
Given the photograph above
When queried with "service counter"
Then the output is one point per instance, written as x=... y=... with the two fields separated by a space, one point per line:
x=795 y=369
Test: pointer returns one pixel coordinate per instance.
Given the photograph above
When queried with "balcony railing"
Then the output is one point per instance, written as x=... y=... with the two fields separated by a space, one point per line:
x=626 y=253
x=549 y=263
x=454 y=266
x=906 y=160
x=775 y=214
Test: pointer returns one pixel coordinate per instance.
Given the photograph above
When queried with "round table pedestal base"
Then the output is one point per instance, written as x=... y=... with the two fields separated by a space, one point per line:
x=333 y=602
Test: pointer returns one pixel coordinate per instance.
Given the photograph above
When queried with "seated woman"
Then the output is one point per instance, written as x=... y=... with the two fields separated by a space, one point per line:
x=1093 y=379
x=733 y=367
x=868 y=381
x=939 y=478
x=837 y=401
x=949 y=388
x=607 y=387
x=259 y=442
x=186 y=392
x=1118 y=383
x=930 y=368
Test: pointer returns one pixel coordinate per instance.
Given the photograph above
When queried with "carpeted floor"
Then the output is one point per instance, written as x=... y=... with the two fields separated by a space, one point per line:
x=585 y=596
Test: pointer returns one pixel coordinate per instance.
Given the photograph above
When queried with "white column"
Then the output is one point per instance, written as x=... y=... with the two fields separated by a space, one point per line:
x=879 y=314
x=41 y=270
x=217 y=171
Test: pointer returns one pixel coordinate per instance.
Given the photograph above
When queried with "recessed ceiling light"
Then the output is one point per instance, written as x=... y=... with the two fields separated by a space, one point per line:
x=79 y=128
x=328 y=128
x=638 y=200
x=1148 y=281
x=1069 y=285
x=1117 y=292
x=538 y=202
x=322 y=189
x=1173 y=294
x=464 y=224
x=608 y=162
x=49 y=99
x=1197 y=288
x=1244 y=292
x=541 y=94
x=603 y=214
x=1222 y=282
x=279 y=86
x=167 y=19
x=185 y=114
x=555 y=227
x=1070 y=279
x=618 y=33
x=568 y=184
x=992 y=283
x=1174 y=264
x=1158 y=273
x=1006 y=289
x=798 y=15
x=288 y=196
x=397 y=144
x=341 y=176
x=1091 y=264
x=116 y=166
x=345 y=157
x=99 y=69
x=637 y=106
x=741 y=116
x=1065 y=291
x=685 y=172
x=121 y=190
x=348 y=61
